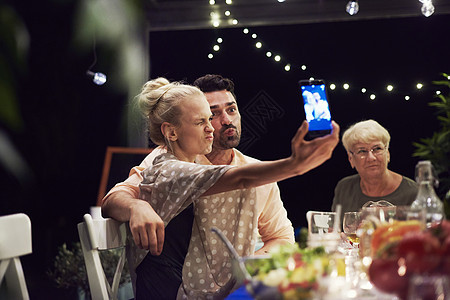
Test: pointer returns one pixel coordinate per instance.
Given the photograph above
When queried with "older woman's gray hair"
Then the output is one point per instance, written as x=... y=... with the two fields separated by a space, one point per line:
x=365 y=132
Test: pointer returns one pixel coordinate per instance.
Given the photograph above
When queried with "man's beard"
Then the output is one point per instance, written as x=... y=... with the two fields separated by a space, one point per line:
x=227 y=142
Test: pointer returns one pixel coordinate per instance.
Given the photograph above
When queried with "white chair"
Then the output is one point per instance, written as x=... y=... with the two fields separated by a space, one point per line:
x=98 y=235
x=15 y=241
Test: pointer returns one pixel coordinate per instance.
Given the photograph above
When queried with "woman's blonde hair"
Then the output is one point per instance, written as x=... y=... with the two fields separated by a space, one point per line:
x=159 y=102
x=365 y=132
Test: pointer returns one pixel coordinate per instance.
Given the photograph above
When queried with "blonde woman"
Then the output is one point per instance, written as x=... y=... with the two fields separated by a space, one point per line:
x=180 y=119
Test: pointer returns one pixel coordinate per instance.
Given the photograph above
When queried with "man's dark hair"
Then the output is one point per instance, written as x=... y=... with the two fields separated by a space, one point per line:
x=214 y=83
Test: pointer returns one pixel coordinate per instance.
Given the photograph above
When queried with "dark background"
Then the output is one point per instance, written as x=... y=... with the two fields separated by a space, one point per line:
x=368 y=54
x=66 y=122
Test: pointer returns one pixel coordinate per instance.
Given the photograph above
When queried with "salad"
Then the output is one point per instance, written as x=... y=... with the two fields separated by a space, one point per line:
x=294 y=271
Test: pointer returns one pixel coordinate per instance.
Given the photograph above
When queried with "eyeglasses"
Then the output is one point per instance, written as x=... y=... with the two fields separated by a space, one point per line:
x=363 y=153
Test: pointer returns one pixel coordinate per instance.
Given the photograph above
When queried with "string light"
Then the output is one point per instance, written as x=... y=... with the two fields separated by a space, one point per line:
x=215 y=18
x=352 y=7
x=427 y=8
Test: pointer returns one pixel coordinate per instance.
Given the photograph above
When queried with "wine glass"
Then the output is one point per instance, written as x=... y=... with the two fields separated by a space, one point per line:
x=351 y=224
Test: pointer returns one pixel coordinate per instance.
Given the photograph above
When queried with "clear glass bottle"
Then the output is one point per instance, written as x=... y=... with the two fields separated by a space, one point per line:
x=426 y=197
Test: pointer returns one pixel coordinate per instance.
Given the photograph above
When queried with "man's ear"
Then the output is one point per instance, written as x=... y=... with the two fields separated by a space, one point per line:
x=169 y=131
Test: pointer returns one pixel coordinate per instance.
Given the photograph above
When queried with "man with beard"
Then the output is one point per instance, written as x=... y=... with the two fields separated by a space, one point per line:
x=147 y=228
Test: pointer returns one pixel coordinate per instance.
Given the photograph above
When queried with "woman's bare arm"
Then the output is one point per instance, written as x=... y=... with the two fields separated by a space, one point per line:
x=306 y=155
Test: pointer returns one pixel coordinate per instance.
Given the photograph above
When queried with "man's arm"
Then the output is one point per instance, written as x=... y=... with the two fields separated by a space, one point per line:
x=146 y=226
x=273 y=224
x=264 y=250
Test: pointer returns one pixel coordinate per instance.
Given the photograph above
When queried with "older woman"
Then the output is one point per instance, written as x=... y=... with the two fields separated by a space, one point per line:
x=180 y=119
x=367 y=145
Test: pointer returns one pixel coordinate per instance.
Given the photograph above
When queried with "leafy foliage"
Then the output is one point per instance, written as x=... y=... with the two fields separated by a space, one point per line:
x=69 y=270
x=437 y=147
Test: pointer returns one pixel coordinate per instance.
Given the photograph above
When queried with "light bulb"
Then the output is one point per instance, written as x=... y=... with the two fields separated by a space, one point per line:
x=97 y=78
x=352 y=7
x=427 y=8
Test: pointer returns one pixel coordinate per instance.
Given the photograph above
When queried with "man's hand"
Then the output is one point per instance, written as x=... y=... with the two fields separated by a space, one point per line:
x=146 y=227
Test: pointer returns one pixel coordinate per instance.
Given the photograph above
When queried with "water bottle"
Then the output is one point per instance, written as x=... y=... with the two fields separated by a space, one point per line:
x=426 y=197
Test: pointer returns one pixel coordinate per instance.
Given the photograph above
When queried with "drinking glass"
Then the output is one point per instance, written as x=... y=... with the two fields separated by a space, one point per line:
x=424 y=287
x=322 y=230
x=320 y=222
x=351 y=224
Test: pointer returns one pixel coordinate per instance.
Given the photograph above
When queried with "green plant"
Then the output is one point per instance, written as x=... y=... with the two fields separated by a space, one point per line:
x=437 y=147
x=69 y=270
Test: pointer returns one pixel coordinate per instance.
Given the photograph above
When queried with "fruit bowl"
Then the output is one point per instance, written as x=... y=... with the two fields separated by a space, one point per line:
x=401 y=250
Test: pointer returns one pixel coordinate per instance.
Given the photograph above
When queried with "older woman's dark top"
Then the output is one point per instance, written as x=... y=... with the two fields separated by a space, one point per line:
x=348 y=193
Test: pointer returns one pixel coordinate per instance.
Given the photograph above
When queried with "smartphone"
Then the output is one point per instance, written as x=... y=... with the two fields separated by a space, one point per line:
x=316 y=107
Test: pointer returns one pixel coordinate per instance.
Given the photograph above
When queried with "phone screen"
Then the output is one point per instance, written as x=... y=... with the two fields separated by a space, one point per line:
x=316 y=107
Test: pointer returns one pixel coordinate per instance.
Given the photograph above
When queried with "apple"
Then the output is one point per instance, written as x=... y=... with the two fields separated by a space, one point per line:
x=441 y=230
x=386 y=276
x=445 y=248
x=421 y=251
